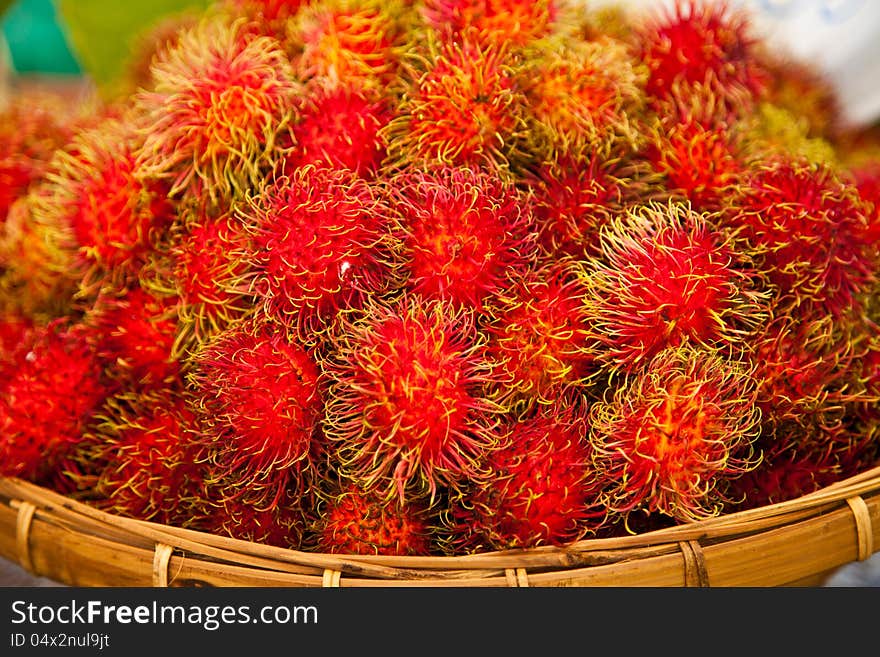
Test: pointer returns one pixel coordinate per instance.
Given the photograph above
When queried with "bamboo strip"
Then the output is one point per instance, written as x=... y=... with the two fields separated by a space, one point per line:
x=787 y=544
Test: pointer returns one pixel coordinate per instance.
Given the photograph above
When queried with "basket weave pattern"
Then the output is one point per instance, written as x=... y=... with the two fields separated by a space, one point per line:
x=793 y=543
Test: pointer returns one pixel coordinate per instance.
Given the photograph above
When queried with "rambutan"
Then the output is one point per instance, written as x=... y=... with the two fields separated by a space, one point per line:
x=33 y=125
x=809 y=230
x=271 y=18
x=133 y=333
x=283 y=523
x=37 y=276
x=320 y=242
x=94 y=204
x=518 y=21
x=406 y=410
x=696 y=45
x=584 y=96
x=671 y=436
x=698 y=163
x=260 y=402
x=544 y=488
x=16 y=332
x=462 y=231
x=803 y=368
x=668 y=278
x=221 y=100
x=338 y=126
x=350 y=520
x=572 y=199
x=204 y=269
x=348 y=40
x=147 y=444
x=50 y=396
x=463 y=103
x=538 y=335
x=866 y=178
x=798 y=460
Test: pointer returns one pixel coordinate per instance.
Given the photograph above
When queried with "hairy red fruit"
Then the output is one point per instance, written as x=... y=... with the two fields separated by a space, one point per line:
x=46 y=404
x=133 y=333
x=260 y=400
x=544 y=488
x=38 y=277
x=351 y=520
x=465 y=105
x=668 y=278
x=585 y=96
x=518 y=21
x=220 y=102
x=798 y=460
x=33 y=125
x=226 y=510
x=320 y=243
x=94 y=203
x=810 y=231
x=349 y=41
x=573 y=198
x=148 y=447
x=803 y=368
x=462 y=231
x=698 y=163
x=406 y=408
x=670 y=437
x=338 y=126
x=538 y=335
x=206 y=270
x=696 y=45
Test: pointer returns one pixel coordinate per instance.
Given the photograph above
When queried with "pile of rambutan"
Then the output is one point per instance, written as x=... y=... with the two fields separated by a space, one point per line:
x=436 y=277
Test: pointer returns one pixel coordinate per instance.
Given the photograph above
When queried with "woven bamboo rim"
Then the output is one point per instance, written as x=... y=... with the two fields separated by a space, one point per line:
x=793 y=543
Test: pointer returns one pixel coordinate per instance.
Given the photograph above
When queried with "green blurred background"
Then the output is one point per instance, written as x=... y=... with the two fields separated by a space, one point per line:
x=84 y=38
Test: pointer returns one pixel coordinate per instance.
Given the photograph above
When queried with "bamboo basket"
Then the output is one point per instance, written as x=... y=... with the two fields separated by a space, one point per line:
x=794 y=543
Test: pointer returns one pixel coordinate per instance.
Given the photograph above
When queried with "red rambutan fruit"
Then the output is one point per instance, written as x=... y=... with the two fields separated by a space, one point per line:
x=50 y=396
x=283 y=523
x=133 y=333
x=798 y=460
x=544 y=488
x=668 y=278
x=462 y=231
x=94 y=204
x=320 y=243
x=573 y=197
x=406 y=409
x=260 y=400
x=338 y=126
x=147 y=444
x=518 y=21
x=463 y=103
x=221 y=100
x=584 y=96
x=205 y=270
x=267 y=17
x=809 y=230
x=803 y=368
x=698 y=163
x=37 y=276
x=538 y=335
x=16 y=333
x=669 y=437
x=348 y=40
x=866 y=178
x=701 y=45
x=33 y=125
x=350 y=520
